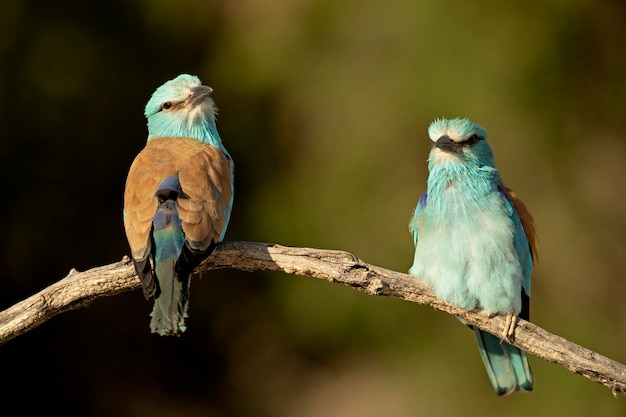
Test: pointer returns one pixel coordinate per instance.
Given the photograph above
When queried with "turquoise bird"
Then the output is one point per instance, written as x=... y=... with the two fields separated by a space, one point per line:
x=475 y=243
x=178 y=197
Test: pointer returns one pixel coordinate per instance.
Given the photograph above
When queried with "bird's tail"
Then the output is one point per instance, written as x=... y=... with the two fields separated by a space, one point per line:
x=172 y=295
x=506 y=365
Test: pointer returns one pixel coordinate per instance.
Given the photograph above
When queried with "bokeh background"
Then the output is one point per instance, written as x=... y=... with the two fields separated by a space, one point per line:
x=324 y=106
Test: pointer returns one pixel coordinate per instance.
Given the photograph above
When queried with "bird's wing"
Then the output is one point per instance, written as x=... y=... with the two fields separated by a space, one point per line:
x=140 y=204
x=149 y=169
x=524 y=241
x=528 y=223
x=205 y=204
x=415 y=225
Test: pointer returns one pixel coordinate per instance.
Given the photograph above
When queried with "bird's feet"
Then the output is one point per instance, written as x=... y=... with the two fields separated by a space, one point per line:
x=509 y=326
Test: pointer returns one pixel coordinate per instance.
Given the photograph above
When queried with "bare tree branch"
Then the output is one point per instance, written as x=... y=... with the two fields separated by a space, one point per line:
x=79 y=289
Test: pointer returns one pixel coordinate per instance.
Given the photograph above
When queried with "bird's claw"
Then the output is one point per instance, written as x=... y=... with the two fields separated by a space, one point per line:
x=509 y=326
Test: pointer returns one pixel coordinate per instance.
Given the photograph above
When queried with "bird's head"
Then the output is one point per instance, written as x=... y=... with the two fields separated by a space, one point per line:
x=181 y=107
x=459 y=141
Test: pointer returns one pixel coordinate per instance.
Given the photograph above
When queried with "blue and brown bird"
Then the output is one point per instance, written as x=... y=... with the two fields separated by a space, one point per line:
x=475 y=243
x=178 y=197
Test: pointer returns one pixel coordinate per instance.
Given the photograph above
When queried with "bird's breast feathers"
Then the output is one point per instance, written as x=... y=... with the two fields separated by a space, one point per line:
x=465 y=251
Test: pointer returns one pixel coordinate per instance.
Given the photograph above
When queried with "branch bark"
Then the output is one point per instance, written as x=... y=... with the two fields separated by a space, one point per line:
x=79 y=289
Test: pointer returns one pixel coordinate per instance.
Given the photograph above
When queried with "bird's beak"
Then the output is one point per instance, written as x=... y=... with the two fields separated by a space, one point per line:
x=446 y=144
x=198 y=95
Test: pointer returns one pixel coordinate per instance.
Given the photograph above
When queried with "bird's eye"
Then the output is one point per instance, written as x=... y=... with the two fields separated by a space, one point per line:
x=166 y=106
x=472 y=139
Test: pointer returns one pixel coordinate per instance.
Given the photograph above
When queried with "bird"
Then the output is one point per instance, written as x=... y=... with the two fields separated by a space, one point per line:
x=475 y=243
x=178 y=197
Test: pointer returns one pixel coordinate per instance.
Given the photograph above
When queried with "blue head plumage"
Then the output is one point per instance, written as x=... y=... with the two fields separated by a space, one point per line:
x=459 y=142
x=182 y=107
x=460 y=154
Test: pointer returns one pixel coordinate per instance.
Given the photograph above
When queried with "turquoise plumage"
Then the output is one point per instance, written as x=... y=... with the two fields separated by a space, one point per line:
x=170 y=307
x=475 y=242
x=178 y=197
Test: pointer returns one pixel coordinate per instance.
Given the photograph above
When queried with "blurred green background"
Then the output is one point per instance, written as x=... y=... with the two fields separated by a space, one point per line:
x=324 y=106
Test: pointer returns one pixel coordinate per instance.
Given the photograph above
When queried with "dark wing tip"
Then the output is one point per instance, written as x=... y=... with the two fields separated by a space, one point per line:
x=149 y=285
x=190 y=258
